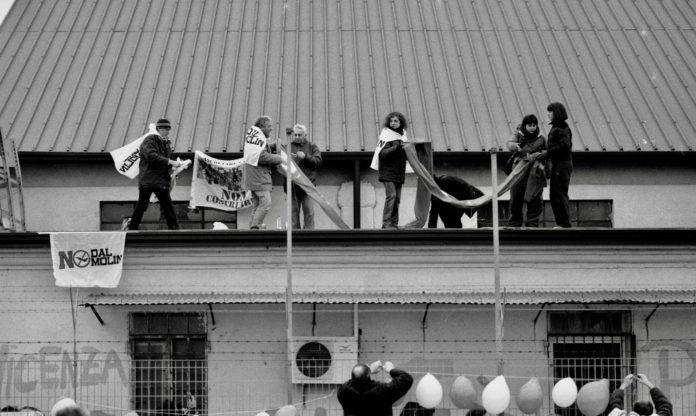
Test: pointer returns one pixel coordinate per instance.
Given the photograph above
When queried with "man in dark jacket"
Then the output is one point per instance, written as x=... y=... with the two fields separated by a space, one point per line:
x=643 y=408
x=155 y=176
x=308 y=157
x=362 y=396
x=451 y=215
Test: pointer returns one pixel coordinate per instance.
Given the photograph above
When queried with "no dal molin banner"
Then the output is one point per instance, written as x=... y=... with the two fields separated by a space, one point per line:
x=217 y=184
x=87 y=259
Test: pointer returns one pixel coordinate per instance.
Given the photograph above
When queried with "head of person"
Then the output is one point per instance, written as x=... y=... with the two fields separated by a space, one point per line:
x=643 y=407
x=360 y=375
x=395 y=121
x=265 y=124
x=530 y=125
x=72 y=411
x=299 y=134
x=557 y=113
x=163 y=127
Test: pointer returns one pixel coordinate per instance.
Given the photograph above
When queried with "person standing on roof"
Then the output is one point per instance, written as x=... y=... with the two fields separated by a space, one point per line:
x=156 y=165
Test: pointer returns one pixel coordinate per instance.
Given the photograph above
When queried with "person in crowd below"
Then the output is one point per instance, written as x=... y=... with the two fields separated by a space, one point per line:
x=451 y=215
x=258 y=162
x=643 y=408
x=308 y=157
x=363 y=396
x=156 y=164
x=558 y=152
x=527 y=144
x=392 y=166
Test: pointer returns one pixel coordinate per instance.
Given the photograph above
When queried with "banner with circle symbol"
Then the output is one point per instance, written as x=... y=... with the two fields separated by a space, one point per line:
x=88 y=259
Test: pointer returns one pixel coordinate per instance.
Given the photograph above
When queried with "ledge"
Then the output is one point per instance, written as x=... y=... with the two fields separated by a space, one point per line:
x=599 y=237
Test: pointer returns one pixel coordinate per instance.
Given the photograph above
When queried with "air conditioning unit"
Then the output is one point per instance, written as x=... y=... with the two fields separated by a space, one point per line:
x=323 y=360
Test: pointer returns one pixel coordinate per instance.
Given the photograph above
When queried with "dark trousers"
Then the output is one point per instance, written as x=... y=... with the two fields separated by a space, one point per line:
x=390 y=215
x=166 y=205
x=560 y=181
x=534 y=206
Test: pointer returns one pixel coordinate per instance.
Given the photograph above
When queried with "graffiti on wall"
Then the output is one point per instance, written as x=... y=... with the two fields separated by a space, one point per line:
x=53 y=367
x=667 y=350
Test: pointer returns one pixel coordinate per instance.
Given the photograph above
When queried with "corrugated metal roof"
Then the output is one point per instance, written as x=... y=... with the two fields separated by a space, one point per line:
x=88 y=76
x=397 y=297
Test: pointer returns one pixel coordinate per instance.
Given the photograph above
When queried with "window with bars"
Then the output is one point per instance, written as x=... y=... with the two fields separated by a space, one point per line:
x=588 y=346
x=583 y=213
x=169 y=369
x=112 y=214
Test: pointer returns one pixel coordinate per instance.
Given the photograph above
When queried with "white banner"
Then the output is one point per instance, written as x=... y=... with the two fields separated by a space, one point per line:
x=386 y=136
x=217 y=183
x=127 y=158
x=88 y=259
x=254 y=144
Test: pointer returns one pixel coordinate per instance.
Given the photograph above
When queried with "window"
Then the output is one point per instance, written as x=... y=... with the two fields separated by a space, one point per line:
x=113 y=213
x=583 y=213
x=169 y=370
x=589 y=346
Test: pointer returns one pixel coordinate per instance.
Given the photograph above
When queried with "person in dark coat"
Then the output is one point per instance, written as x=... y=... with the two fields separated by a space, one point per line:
x=155 y=176
x=643 y=408
x=559 y=148
x=308 y=157
x=362 y=396
x=451 y=215
x=392 y=167
x=525 y=144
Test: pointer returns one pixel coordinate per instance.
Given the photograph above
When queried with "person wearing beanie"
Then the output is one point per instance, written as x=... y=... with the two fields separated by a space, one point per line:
x=156 y=164
x=643 y=407
x=363 y=396
x=527 y=144
x=559 y=148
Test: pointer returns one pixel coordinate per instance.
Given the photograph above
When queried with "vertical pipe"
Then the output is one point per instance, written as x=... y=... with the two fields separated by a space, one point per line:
x=74 y=325
x=496 y=263
x=356 y=194
x=288 y=286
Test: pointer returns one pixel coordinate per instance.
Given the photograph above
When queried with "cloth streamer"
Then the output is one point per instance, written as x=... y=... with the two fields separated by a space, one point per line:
x=427 y=185
x=300 y=179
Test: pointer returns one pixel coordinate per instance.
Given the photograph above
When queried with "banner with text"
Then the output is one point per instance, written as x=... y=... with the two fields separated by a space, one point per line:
x=217 y=183
x=88 y=259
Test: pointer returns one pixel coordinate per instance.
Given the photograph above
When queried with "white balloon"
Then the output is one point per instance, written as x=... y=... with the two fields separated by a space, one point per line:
x=62 y=404
x=564 y=392
x=287 y=410
x=429 y=391
x=496 y=396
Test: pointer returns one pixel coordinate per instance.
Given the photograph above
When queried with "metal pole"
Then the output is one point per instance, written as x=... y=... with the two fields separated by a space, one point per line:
x=288 y=285
x=74 y=323
x=496 y=263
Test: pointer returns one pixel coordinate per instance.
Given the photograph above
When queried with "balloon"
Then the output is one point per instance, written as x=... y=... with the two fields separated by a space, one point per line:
x=496 y=396
x=593 y=398
x=62 y=404
x=564 y=392
x=287 y=410
x=429 y=391
x=463 y=393
x=262 y=414
x=530 y=397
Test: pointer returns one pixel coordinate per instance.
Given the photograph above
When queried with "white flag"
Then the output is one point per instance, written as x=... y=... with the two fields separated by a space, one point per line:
x=127 y=158
x=254 y=144
x=88 y=259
